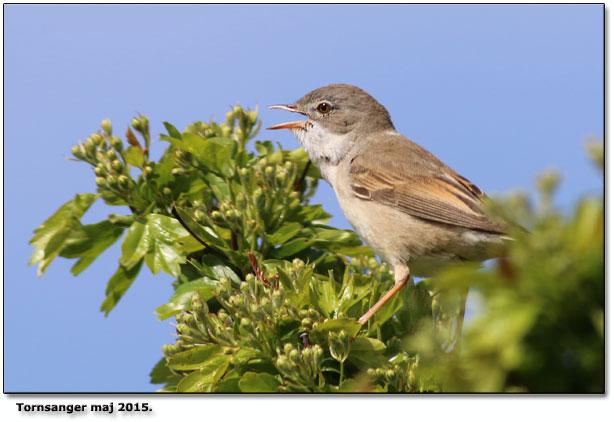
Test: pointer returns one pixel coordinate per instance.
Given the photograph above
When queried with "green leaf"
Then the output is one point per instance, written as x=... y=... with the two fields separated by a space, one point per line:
x=416 y=305
x=336 y=325
x=350 y=293
x=264 y=147
x=205 y=378
x=118 y=284
x=194 y=358
x=228 y=385
x=161 y=374
x=172 y=131
x=49 y=237
x=252 y=382
x=244 y=354
x=204 y=233
x=136 y=243
x=134 y=156
x=219 y=269
x=181 y=299
x=387 y=310
x=313 y=214
x=292 y=247
x=165 y=257
x=89 y=241
x=162 y=170
x=276 y=157
x=154 y=238
x=325 y=296
x=298 y=155
x=344 y=242
x=366 y=352
x=325 y=234
x=285 y=233
x=214 y=153
x=218 y=186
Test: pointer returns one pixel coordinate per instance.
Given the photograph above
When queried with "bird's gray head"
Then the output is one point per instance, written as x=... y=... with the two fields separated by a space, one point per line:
x=339 y=109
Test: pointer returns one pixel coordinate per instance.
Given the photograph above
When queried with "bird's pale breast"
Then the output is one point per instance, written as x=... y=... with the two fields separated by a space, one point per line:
x=400 y=237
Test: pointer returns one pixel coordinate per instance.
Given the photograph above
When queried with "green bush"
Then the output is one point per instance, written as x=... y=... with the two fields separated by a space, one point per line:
x=267 y=295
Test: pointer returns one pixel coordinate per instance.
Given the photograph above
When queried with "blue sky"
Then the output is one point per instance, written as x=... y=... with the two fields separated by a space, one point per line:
x=498 y=92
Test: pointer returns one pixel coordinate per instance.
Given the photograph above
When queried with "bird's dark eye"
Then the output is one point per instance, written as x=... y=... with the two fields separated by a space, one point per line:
x=324 y=107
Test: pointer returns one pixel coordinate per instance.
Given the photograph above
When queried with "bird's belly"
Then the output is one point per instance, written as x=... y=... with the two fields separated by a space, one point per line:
x=426 y=246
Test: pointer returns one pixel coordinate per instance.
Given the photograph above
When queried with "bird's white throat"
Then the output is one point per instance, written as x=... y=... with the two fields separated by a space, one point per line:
x=325 y=148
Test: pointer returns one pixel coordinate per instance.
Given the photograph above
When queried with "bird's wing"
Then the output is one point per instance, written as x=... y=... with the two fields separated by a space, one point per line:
x=421 y=186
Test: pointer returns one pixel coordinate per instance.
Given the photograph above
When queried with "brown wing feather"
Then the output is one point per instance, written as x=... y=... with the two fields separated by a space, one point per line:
x=431 y=191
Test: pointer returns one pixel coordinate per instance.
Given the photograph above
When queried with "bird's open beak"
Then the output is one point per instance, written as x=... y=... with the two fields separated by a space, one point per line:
x=289 y=125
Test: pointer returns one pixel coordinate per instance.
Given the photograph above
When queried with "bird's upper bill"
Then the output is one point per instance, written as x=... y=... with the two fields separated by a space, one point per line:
x=289 y=125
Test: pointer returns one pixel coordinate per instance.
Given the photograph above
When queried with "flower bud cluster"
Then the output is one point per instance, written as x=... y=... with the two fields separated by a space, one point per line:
x=277 y=176
x=242 y=124
x=257 y=316
x=105 y=153
x=396 y=377
x=199 y=326
x=300 y=366
x=141 y=125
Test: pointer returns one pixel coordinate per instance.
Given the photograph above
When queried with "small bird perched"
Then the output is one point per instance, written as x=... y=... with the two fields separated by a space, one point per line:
x=409 y=207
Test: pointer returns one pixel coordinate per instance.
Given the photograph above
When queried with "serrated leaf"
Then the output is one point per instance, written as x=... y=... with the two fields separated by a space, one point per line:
x=183 y=295
x=283 y=234
x=194 y=358
x=298 y=155
x=335 y=325
x=366 y=352
x=325 y=296
x=214 y=153
x=161 y=374
x=219 y=269
x=324 y=234
x=88 y=242
x=155 y=239
x=344 y=242
x=205 y=378
x=165 y=257
x=204 y=233
x=314 y=214
x=134 y=156
x=162 y=170
x=118 y=284
x=292 y=247
x=417 y=304
x=387 y=310
x=253 y=382
x=135 y=244
x=228 y=385
x=276 y=157
x=172 y=131
x=49 y=237
x=264 y=147
x=218 y=186
x=244 y=354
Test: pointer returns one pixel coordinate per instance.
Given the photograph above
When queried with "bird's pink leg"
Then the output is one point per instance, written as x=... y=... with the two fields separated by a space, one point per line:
x=401 y=275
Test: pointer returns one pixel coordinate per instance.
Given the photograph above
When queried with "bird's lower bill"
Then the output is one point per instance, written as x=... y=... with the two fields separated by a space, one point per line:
x=290 y=125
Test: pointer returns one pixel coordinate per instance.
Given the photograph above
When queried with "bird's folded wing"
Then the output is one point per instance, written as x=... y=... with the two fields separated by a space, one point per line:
x=444 y=197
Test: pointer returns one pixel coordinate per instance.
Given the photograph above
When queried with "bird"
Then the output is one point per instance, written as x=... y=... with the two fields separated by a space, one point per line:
x=414 y=211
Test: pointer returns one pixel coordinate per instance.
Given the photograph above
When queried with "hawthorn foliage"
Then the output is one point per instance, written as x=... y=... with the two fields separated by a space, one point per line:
x=267 y=294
